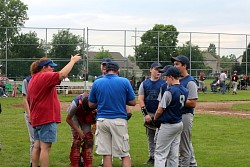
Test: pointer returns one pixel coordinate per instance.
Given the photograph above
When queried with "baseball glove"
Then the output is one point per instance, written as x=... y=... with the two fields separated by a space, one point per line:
x=153 y=125
x=150 y=125
x=129 y=115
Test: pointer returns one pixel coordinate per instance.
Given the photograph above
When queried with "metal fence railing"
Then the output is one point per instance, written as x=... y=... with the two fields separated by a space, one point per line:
x=123 y=42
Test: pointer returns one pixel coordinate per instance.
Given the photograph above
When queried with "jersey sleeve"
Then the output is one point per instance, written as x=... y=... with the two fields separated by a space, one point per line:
x=141 y=89
x=166 y=99
x=192 y=89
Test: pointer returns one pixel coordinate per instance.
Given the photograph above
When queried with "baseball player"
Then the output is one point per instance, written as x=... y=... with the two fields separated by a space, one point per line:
x=223 y=77
x=186 y=148
x=234 y=79
x=27 y=114
x=148 y=93
x=169 y=116
x=164 y=85
x=201 y=81
x=103 y=67
x=80 y=118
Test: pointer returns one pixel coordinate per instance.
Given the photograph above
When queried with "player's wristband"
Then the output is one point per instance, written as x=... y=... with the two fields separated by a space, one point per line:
x=144 y=111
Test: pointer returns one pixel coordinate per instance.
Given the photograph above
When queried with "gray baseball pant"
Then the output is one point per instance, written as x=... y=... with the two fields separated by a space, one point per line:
x=186 y=147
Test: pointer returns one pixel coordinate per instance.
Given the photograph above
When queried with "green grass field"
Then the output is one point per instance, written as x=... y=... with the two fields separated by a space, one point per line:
x=218 y=141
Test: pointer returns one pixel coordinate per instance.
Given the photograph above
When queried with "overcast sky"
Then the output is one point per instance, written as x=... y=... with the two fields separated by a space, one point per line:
x=212 y=16
x=194 y=15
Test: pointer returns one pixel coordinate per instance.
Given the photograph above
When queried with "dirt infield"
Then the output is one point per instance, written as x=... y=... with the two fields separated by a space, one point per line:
x=216 y=108
x=222 y=108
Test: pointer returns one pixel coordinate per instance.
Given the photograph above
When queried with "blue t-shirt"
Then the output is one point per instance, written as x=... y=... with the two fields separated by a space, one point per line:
x=173 y=101
x=111 y=93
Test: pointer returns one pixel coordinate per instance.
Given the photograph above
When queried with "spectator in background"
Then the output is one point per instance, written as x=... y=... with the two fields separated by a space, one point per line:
x=234 y=80
x=132 y=82
x=4 y=80
x=223 y=77
x=201 y=81
x=66 y=87
x=215 y=84
x=1 y=91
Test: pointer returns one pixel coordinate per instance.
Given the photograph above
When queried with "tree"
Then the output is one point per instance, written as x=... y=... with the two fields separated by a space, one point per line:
x=26 y=45
x=13 y=14
x=230 y=63
x=93 y=70
x=245 y=66
x=22 y=51
x=160 y=37
x=196 y=57
x=212 y=49
x=63 y=45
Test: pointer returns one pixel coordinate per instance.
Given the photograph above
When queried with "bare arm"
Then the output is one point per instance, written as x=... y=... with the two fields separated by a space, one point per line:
x=141 y=100
x=142 y=104
x=191 y=103
x=158 y=113
x=131 y=103
x=70 y=121
x=92 y=105
x=65 y=71
x=26 y=106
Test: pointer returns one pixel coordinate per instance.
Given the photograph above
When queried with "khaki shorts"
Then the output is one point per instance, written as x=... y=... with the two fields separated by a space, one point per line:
x=112 y=137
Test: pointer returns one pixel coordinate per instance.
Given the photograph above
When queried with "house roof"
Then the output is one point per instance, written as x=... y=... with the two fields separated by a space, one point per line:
x=210 y=61
x=117 y=56
x=208 y=57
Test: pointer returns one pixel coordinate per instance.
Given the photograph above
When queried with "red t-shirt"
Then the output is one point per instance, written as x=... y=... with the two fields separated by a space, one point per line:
x=44 y=102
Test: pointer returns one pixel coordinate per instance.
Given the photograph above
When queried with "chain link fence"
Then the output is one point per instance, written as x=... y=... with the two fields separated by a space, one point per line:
x=117 y=41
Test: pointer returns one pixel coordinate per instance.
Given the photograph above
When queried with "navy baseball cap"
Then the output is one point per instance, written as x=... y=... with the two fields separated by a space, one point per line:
x=182 y=59
x=105 y=61
x=112 y=65
x=165 y=68
x=156 y=65
x=172 y=71
x=47 y=63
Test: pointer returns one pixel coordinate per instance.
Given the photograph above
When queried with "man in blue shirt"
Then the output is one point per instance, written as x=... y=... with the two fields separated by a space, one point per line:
x=111 y=94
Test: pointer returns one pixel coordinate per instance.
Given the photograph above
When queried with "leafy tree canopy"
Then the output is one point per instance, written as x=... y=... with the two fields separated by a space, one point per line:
x=196 y=57
x=160 y=39
x=13 y=13
x=26 y=47
x=63 y=45
x=212 y=49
